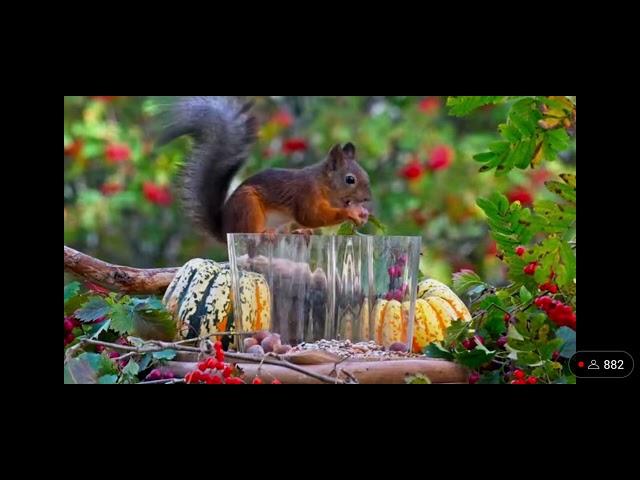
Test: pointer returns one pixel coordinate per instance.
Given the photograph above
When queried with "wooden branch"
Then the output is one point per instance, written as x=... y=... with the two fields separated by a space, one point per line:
x=381 y=372
x=117 y=278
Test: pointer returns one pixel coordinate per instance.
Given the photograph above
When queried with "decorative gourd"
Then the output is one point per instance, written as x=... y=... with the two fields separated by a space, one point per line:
x=433 y=288
x=390 y=322
x=436 y=307
x=200 y=298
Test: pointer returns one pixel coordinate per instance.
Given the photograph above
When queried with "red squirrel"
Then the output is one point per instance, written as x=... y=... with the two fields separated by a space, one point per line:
x=223 y=128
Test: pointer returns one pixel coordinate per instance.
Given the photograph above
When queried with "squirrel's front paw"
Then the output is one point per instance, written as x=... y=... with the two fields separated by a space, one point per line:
x=358 y=214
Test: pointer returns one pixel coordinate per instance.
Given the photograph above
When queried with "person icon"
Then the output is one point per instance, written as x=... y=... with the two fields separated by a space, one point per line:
x=593 y=365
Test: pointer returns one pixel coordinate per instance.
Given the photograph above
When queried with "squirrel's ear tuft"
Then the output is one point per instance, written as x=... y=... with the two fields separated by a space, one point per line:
x=350 y=151
x=336 y=159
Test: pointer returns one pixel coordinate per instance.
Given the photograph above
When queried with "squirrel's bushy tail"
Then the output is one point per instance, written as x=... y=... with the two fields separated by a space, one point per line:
x=223 y=130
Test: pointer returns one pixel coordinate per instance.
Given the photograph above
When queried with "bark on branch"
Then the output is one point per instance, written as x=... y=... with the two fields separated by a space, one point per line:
x=118 y=278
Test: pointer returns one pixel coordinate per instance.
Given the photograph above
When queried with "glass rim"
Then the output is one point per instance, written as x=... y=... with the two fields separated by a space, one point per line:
x=261 y=235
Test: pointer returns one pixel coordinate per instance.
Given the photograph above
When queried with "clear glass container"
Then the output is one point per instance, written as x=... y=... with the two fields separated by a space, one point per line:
x=359 y=288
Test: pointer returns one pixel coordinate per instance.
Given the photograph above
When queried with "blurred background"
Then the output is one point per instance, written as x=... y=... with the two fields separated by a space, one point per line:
x=122 y=192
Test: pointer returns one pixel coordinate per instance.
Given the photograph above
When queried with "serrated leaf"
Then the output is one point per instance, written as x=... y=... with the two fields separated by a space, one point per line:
x=74 y=303
x=494 y=325
x=108 y=380
x=70 y=291
x=457 y=329
x=465 y=280
x=165 y=355
x=93 y=310
x=122 y=318
x=153 y=325
x=525 y=295
x=462 y=106
x=132 y=369
x=476 y=357
x=96 y=329
x=436 y=350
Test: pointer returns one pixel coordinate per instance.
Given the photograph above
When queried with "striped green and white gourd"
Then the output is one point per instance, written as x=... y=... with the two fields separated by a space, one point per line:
x=200 y=298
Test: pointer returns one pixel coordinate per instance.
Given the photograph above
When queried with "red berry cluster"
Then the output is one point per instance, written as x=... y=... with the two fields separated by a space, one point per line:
x=69 y=324
x=559 y=313
x=294 y=145
x=520 y=251
x=470 y=343
x=520 y=378
x=212 y=371
x=397 y=289
x=531 y=268
x=160 y=374
x=157 y=194
x=549 y=287
x=117 y=153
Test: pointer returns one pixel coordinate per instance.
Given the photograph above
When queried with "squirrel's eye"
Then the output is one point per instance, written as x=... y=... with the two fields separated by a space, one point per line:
x=351 y=180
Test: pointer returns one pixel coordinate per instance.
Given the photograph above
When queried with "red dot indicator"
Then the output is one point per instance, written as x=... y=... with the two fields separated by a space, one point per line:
x=581 y=364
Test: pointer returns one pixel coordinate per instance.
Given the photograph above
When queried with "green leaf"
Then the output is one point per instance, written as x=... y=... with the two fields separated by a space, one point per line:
x=569 y=337
x=466 y=280
x=132 y=369
x=529 y=359
x=165 y=355
x=569 y=260
x=96 y=329
x=462 y=106
x=418 y=379
x=476 y=357
x=513 y=333
x=375 y=221
x=145 y=361
x=79 y=372
x=494 y=325
x=547 y=350
x=487 y=157
x=565 y=191
x=436 y=350
x=489 y=208
x=457 y=330
x=122 y=318
x=74 y=303
x=108 y=380
x=152 y=324
x=491 y=378
x=99 y=363
x=554 y=142
x=347 y=229
x=569 y=179
x=70 y=291
x=525 y=295
x=93 y=310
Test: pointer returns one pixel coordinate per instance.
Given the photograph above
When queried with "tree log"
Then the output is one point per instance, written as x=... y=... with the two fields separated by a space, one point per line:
x=118 y=278
x=380 y=372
